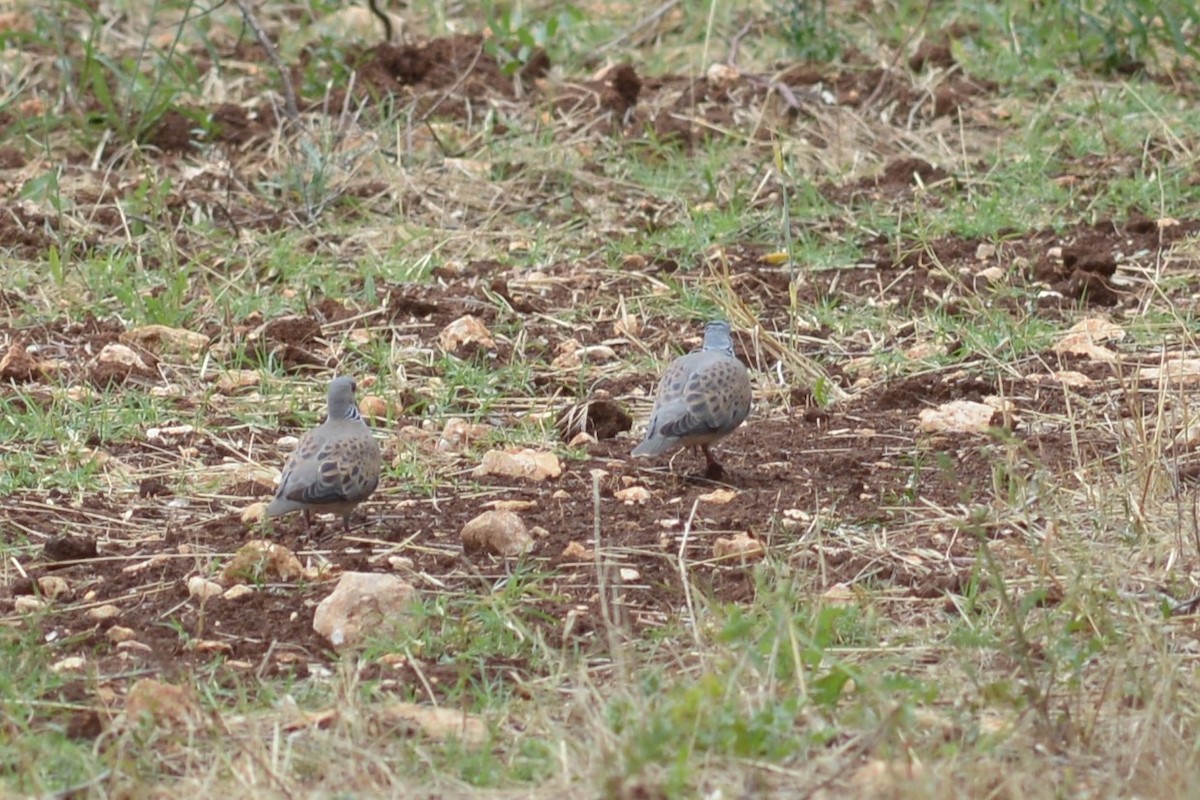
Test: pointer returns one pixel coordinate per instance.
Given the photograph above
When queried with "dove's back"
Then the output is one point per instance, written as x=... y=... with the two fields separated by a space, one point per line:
x=702 y=397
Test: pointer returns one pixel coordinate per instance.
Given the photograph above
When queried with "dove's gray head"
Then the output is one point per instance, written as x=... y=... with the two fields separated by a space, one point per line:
x=341 y=398
x=717 y=337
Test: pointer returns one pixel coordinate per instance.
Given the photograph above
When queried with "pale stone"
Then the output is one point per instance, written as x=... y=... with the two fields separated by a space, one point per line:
x=117 y=634
x=122 y=356
x=575 y=551
x=238 y=592
x=741 y=546
x=718 y=497
x=162 y=340
x=104 y=613
x=254 y=513
x=519 y=463
x=633 y=495
x=27 y=603
x=163 y=703
x=435 y=723
x=53 y=586
x=501 y=533
x=203 y=588
x=957 y=416
x=361 y=603
x=463 y=331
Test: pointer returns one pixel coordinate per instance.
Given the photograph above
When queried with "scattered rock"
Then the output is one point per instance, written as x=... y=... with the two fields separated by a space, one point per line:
x=235 y=380
x=103 y=613
x=163 y=340
x=259 y=560
x=203 y=588
x=27 y=604
x=436 y=723
x=512 y=505
x=360 y=604
x=19 y=365
x=52 y=586
x=312 y=719
x=1085 y=337
x=718 y=497
x=400 y=563
x=741 y=546
x=1175 y=368
x=838 y=594
x=1068 y=377
x=924 y=350
x=458 y=435
x=464 y=331
x=519 y=463
x=157 y=560
x=117 y=634
x=238 y=592
x=574 y=551
x=633 y=495
x=373 y=407
x=793 y=518
x=990 y=276
x=115 y=364
x=958 y=416
x=170 y=433
x=254 y=513
x=572 y=354
x=68 y=664
x=163 y=704
x=722 y=77
x=501 y=533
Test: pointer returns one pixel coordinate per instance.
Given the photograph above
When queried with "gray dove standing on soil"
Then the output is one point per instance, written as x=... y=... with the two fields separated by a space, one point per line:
x=335 y=466
x=702 y=397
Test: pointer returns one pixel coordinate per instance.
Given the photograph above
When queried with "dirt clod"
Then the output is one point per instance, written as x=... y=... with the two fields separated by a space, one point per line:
x=70 y=548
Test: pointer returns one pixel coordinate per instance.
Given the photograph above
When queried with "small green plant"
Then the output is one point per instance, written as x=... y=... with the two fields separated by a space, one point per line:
x=132 y=92
x=516 y=39
x=1124 y=35
x=806 y=27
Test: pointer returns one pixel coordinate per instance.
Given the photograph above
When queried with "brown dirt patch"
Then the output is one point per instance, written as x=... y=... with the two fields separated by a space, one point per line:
x=860 y=468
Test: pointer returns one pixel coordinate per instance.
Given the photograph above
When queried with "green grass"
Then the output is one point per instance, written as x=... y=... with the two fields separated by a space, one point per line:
x=37 y=754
